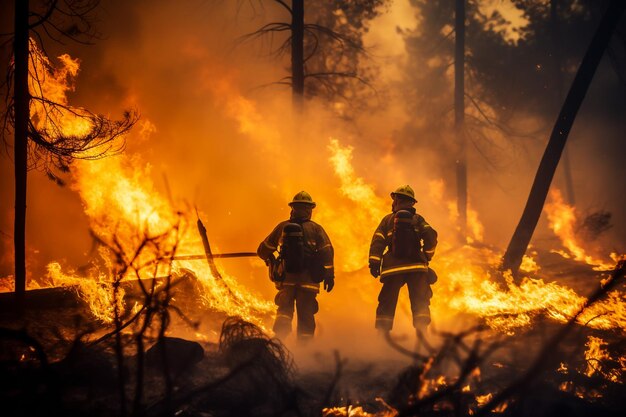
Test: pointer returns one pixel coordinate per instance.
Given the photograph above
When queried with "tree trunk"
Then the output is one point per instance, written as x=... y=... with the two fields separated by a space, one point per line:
x=21 y=102
x=555 y=36
x=297 y=52
x=459 y=115
x=550 y=160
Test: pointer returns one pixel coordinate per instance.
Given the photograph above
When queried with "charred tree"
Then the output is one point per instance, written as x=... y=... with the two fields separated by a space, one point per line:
x=319 y=51
x=21 y=99
x=297 y=52
x=43 y=142
x=555 y=36
x=550 y=160
x=459 y=114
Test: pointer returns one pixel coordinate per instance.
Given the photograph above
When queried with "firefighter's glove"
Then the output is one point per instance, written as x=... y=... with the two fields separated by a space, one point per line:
x=375 y=269
x=329 y=283
x=270 y=260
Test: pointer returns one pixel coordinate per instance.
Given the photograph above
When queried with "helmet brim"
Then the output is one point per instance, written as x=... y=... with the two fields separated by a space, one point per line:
x=408 y=197
x=305 y=203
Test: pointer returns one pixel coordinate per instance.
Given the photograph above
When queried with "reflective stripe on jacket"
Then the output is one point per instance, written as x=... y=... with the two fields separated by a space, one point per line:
x=381 y=243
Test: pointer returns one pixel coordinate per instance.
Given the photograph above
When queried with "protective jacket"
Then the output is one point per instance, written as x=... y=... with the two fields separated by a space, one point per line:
x=318 y=245
x=417 y=262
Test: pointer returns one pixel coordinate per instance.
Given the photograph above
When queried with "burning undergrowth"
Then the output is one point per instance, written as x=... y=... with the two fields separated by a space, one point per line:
x=539 y=345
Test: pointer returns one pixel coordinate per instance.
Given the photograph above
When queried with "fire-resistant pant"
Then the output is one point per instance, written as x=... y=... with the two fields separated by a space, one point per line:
x=306 y=306
x=419 y=295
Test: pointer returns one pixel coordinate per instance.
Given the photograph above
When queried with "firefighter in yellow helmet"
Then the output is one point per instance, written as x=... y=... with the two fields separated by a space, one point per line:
x=401 y=248
x=300 y=256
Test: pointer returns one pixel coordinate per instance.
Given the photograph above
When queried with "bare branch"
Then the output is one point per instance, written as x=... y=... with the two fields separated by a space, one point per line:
x=282 y=3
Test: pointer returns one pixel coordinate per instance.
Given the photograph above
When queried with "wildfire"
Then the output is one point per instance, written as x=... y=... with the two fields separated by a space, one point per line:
x=54 y=83
x=357 y=411
x=125 y=209
x=467 y=282
x=595 y=354
x=562 y=219
x=371 y=209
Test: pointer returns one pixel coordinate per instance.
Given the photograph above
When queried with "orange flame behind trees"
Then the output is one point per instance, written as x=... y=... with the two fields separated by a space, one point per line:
x=121 y=202
x=467 y=284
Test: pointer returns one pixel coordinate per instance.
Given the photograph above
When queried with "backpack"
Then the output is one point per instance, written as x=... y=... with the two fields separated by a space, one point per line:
x=293 y=248
x=404 y=240
x=297 y=255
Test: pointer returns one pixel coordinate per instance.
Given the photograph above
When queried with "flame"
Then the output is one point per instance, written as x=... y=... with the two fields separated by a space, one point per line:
x=466 y=272
x=123 y=204
x=124 y=207
x=54 y=83
x=97 y=291
x=483 y=399
x=529 y=265
x=357 y=411
x=369 y=209
x=596 y=354
x=562 y=218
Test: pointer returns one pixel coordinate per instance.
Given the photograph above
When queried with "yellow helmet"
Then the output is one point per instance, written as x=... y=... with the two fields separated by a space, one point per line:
x=405 y=191
x=302 y=198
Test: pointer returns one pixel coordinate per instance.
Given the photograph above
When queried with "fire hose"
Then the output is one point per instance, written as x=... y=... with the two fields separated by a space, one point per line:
x=208 y=255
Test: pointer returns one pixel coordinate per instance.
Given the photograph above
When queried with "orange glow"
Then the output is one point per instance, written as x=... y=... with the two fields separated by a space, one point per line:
x=355 y=411
x=121 y=202
x=595 y=354
x=53 y=84
x=124 y=207
x=562 y=219
x=468 y=283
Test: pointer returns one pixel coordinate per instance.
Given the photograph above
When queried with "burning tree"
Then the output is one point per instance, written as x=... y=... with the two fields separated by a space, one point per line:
x=558 y=138
x=48 y=133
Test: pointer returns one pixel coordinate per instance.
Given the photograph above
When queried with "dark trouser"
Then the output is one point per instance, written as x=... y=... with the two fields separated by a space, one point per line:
x=306 y=306
x=419 y=295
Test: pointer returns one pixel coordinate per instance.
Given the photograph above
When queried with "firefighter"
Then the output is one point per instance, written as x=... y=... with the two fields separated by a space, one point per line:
x=300 y=256
x=401 y=248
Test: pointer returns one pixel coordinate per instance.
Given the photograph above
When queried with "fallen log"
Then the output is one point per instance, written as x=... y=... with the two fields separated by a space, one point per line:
x=68 y=296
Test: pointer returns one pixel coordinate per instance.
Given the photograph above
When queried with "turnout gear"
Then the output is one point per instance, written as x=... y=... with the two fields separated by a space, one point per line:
x=305 y=255
x=329 y=284
x=400 y=250
x=405 y=191
x=276 y=269
x=404 y=240
x=417 y=261
x=375 y=269
x=303 y=198
x=304 y=300
x=292 y=251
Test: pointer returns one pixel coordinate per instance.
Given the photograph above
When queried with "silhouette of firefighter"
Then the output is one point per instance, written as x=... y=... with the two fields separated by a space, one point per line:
x=401 y=248
x=300 y=257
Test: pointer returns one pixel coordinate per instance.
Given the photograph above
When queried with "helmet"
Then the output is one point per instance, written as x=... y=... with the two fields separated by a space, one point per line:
x=405 y=191
x=303 y=198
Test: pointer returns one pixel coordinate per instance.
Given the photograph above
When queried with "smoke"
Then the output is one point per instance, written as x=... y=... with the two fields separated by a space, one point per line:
x=217 y=134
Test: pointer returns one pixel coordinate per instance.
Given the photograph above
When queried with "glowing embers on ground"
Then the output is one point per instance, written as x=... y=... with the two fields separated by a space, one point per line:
x=358 y=411
x=596 y=354
x=471 y=289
